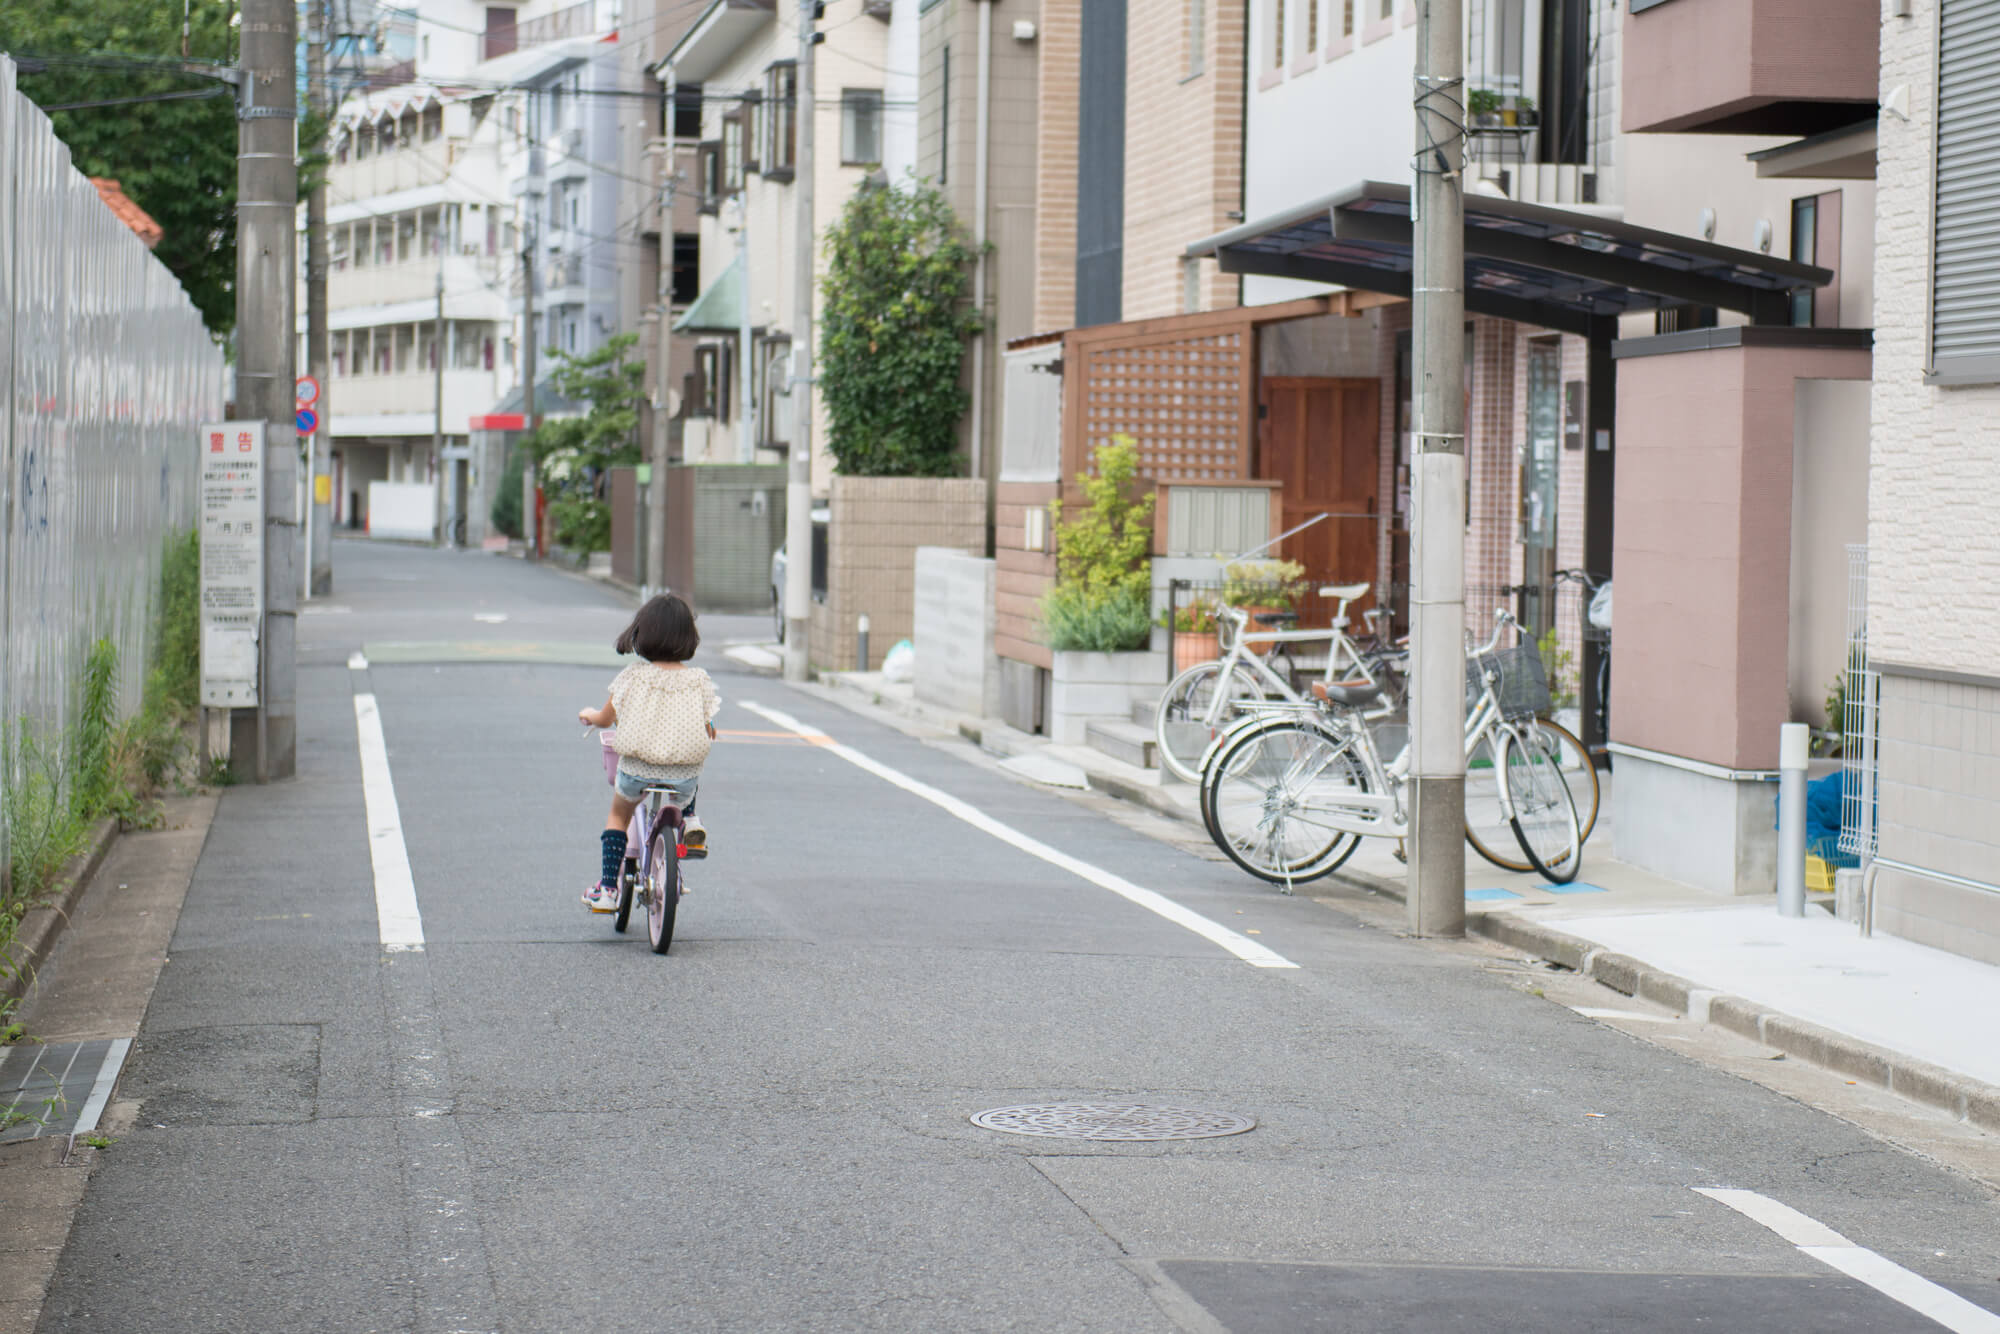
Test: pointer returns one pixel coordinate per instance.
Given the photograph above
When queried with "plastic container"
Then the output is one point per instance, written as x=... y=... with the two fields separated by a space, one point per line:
x=608 y=738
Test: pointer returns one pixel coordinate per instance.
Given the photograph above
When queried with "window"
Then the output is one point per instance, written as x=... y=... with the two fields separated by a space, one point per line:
x=1278 y=8
x=781 y=113
x=687 y=111
x=755 y=126
x=433 y=123
x=364 y=142
x=1196 y=37
x=385 y=136
x=708 y=166
x=337 y=346
x=575 y=210
x=427 y=48
x=860 y=126
x=710 y=396
x=1312 y=27
x=1805 y=249
x=732 y=152
x=1346 y=18
x=1965 y=243
x=686 y=279
x=773 y=413
x=1388 y=10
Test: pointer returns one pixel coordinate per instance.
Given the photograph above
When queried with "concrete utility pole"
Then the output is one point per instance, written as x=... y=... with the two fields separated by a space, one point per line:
x=656 y=485
x=319 y=524
x=746 y=403
x=528 y=523
x=267 y=198
x=798 y=486
x=1436 y=897
x=437 y=397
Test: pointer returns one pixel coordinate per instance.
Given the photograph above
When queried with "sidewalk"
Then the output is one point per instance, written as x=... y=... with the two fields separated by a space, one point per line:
x=1882 y=1011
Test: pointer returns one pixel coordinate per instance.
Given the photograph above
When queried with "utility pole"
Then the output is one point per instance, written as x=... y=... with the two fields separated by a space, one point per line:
x=267 y=198
x=798 y=485
x=1436 y=899
x=656 y=486
x=529 y=525
x=319 y=445
x=437 y=396
x=746 y=416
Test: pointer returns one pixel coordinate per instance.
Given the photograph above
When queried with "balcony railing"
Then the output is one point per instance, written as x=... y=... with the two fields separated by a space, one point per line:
x=403 y=168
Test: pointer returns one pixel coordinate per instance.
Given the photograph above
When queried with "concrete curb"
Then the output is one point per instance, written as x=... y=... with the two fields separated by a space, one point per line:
x=35 y=939
x=1961 y=1096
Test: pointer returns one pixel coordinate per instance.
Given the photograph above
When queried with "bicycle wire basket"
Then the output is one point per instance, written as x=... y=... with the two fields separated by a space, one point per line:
x=1522 y=690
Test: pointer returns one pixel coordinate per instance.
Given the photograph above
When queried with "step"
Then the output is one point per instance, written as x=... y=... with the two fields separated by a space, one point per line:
x=1144 y=711
x=1127 y=742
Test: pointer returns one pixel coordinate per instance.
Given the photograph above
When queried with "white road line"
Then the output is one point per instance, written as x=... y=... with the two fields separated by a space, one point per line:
x=100 y=1088
x=401 y=925
x=1823 y=1244
x=1243 y=948
x=357 y=661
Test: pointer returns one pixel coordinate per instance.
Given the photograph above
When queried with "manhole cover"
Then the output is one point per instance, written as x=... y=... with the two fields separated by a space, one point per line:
x=1112 y=1121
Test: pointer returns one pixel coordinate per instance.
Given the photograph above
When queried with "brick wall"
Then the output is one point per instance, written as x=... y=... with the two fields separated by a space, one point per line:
x=874 y=529
x=1060 y=38
x=1183 y=151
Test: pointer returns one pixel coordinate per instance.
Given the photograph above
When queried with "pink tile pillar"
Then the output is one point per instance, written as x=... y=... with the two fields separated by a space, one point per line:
x=1702 y=548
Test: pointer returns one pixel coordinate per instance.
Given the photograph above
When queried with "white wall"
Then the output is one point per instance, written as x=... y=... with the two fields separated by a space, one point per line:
x=1829 y=510
x=1934 y=549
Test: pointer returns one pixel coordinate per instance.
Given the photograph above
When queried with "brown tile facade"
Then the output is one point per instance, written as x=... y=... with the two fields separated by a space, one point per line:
x=874 y=529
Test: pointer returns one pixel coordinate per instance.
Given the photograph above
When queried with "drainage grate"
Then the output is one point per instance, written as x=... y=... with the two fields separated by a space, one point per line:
x=1131 y=1121
x=57 y=1089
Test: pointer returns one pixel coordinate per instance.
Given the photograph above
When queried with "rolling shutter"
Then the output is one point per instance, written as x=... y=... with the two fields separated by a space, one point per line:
x=1965 y=286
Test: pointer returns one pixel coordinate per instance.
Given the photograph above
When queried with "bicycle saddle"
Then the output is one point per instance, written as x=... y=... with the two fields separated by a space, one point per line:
x=1344 y=592
x=1277 y=617
x=1352 y=697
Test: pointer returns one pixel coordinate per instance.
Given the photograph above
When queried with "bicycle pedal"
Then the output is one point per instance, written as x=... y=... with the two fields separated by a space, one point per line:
x=694 y=852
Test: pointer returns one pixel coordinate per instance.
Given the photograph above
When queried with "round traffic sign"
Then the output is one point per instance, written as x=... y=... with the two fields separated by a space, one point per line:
x=308 y=420
x=306 y=391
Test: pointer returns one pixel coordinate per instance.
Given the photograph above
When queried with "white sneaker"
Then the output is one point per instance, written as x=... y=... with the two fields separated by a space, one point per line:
x=694 y=837
x=601 y=898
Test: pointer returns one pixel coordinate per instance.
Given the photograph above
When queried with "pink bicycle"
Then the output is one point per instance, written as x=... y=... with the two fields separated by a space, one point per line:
x=653 y=851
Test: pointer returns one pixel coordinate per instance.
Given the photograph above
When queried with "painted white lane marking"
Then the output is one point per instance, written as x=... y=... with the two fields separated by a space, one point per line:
x=357 y=661
x=100 y=1088
x=490 y=617
x=1823 y=1244
x=1242 y=947
x=401 y=925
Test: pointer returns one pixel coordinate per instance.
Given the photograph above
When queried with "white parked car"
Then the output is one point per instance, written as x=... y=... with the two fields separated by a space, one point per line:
x=820 y=514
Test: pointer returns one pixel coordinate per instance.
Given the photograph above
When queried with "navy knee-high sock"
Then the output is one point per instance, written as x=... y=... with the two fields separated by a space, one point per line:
x=614 y=855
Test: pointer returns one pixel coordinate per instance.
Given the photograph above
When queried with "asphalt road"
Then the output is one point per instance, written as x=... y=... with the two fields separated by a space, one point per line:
x=533 y=1124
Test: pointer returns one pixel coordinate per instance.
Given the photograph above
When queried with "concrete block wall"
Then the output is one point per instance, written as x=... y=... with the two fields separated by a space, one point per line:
x=875 y=526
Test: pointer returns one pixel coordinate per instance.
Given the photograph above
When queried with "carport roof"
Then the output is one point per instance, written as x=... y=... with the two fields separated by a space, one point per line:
x=1557 y=268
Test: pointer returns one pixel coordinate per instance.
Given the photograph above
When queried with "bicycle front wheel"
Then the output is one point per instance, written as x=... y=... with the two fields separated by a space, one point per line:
x=663 y=889
x=1487 y=828
x=1190 y=715
x=1273 y=795
x=1544 y=813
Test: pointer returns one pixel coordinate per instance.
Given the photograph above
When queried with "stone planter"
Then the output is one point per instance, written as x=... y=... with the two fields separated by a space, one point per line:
x=1087 y=687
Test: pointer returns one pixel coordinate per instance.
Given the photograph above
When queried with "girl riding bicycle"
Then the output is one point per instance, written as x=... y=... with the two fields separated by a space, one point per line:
x=664 y=711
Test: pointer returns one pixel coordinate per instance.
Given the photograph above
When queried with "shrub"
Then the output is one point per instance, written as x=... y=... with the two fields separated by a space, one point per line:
x=506 y=511
x=1102 y=599
x=893 y=332
x=1263 y=583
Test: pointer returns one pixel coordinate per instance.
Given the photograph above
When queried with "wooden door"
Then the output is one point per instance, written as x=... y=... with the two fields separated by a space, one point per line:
x=1322 y=439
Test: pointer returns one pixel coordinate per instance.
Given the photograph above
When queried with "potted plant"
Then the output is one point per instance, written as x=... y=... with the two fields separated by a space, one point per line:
x=1097 y=618
x=1194 y=635
x=1483 y=105
x=1262 y=586
x=1525 y=114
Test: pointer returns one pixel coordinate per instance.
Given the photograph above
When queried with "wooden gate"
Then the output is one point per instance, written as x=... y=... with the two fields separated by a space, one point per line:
x=1321 y=439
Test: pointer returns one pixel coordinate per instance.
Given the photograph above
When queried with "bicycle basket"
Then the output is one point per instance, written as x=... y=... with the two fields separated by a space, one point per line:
x=1523 y=688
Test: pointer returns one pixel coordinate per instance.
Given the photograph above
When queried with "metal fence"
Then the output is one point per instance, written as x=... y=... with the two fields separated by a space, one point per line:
x=107 y=373
x=1858 y=740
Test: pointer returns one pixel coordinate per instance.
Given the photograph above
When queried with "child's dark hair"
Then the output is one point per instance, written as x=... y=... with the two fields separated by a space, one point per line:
x=663 y=631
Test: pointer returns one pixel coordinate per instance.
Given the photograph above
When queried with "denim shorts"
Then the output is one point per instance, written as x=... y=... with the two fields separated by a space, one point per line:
x=632 y=787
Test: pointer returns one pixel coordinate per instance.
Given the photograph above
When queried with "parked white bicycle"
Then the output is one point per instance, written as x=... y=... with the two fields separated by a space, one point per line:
x=1203 y=701
x=1288 y=797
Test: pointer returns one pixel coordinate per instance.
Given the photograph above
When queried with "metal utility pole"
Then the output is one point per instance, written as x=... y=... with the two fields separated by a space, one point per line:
x=529 y=525
x=798 y=485
x=267 y=197
x=437 y=398
x=1436 y=899
x=319 y=445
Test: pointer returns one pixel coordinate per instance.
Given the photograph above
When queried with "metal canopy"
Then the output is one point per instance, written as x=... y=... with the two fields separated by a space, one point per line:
x=1557 y=268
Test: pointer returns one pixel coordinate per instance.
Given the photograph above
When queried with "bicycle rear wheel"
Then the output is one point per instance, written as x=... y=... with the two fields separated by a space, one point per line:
x=1270 y=795
x=1181 y=723
x=663 y=888
x=1487 y=828
x=1545 y=821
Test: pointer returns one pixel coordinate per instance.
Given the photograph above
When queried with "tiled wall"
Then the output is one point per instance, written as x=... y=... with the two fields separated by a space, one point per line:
x=1940 y=809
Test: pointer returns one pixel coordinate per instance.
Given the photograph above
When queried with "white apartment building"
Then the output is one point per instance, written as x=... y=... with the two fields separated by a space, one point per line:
x=419 y=221
x=743 y=55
